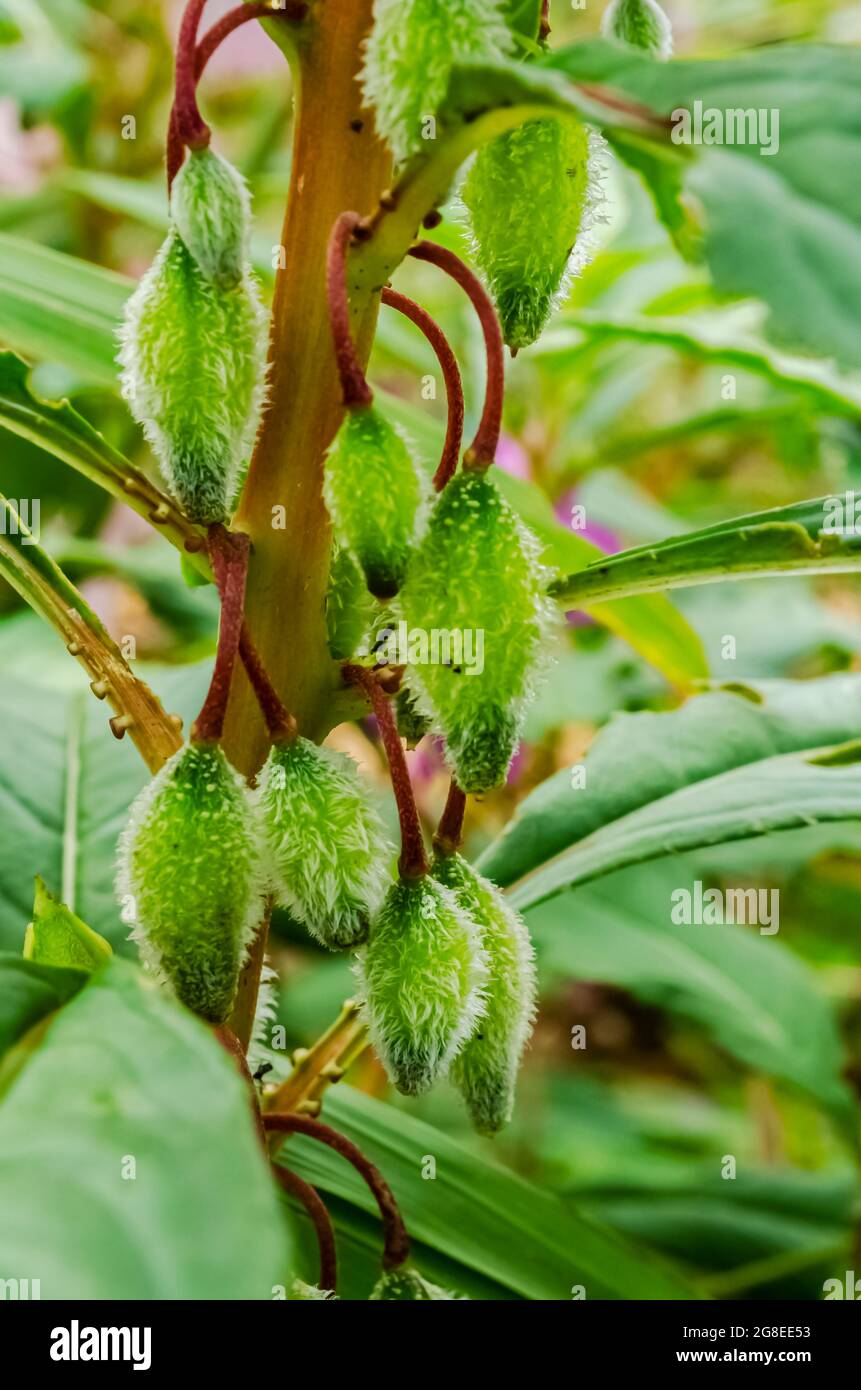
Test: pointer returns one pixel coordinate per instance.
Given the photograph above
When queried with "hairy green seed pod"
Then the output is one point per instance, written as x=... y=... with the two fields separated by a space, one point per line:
x=328 y=854
x=349 y=607
x=639 y=24
x=211 y=210
x=476 y=577
x=413 y=47
x=406 y=1285
x=193 y=360
x=485 y=1071
x=300 y=1292
x=189 y=877
x=375 y=494
x=422 y=975
x=531 y=197
x=413 y=725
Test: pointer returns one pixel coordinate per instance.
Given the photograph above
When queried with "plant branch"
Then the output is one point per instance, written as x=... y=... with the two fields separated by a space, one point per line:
x=41 y=583
x=449 y=835
x=229 y=555
x=396 y=1242
x=482 y=451
x=413 y=860
x=355 y=390
x=451 y=375
x=323 y=1065
x=315 y=1207
x=279 y=720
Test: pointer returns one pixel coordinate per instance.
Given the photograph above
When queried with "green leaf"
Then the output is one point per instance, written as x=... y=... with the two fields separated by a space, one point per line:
x=783 y=793
x=126 y=1077
x=30 y=992
x=61 y=308
x=59 y=429
x=720 y=339
x=785 y=227
x=747 y=992
x=777 y=543
x=57 y=937
x=65 y=789
x=644 y=760
x=482 y=1216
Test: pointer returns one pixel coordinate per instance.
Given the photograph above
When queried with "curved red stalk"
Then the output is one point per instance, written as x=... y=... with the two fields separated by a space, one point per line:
x=191 y=128
x=396 y=1242
x=451 y=375
x=356 y=391
x=229 y=555
x=413 y=861
x=322 y=1222
x=449 y=834
x=279 y=720
x=482 y=451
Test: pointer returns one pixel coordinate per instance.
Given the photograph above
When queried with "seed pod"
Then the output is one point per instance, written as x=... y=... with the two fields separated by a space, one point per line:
x=327 y=849
x=413 y=725
x=406 y=1285
x=211 y=210
x=300 y=1292
x=193 y=375
x=423 y=973
x=485 y=1071
x=189 y=870
x=413 y=47
x=374 y=491
x=639 y=24
x=476 y=575
x=531 y=198
x=349 y=607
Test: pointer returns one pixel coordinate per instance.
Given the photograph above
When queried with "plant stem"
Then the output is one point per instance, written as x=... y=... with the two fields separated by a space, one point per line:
x=355 y=391
x=229 y=555
x=322 y=1065
x=337 y=163
x=413 y=861
x=482 y=451
x=315 y=1207
x=451 y=375
x=279 y=720
x=191 y=128
x=449 y=835
x=396 y=1242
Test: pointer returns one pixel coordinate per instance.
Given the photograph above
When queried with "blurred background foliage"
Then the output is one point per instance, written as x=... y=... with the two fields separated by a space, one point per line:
x=702 y=1043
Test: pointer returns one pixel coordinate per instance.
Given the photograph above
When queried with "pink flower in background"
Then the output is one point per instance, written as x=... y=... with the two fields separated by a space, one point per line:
x=24 y=154
x=592 y=531
x=248 y=52
x=512 y=458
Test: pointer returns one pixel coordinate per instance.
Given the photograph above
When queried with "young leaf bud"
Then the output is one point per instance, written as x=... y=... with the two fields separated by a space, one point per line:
x=375 y=492
x=476 y=574
x=413 y=47
x=327 y=849
x=193 y=374
x=531 y=198
x=211 y=210
x=413 y=725
x=189 y=865
x=639 y=24
x=422 y=973
x=485 y=1071
x=57 y=937
x=349 y=606
x=406 y=1285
